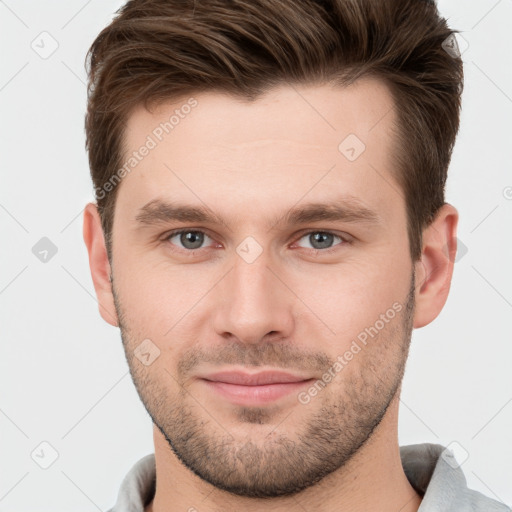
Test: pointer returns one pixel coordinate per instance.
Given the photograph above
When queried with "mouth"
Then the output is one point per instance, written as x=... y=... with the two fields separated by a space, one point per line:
x=242 y=388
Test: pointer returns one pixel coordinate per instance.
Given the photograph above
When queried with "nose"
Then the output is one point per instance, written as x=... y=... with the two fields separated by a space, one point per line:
x=253 y=304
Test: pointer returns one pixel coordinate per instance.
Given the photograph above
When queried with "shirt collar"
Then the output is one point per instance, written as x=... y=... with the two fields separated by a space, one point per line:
x=431 y=469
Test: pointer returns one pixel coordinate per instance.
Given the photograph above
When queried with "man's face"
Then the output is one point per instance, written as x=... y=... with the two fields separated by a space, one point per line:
x=256 y=288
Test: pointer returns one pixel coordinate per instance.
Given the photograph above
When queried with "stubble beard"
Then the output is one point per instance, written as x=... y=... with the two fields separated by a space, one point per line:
x=299 y=451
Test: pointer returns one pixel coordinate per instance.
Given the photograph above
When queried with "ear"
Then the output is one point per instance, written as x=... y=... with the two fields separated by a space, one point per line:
x=99 y=264
x=434 y=270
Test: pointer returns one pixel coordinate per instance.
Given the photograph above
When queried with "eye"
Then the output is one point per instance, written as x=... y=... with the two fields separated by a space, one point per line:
x=322 y=240
x=189 y=239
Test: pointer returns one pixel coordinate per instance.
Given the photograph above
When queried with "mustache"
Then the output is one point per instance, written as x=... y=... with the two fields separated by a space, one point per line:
x=269 y=354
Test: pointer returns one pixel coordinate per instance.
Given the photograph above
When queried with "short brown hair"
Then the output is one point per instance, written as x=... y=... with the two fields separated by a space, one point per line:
x=159 y=50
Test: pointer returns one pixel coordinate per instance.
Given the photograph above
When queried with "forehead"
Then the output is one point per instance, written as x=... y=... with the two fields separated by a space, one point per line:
x=316 y=114
x=316 y=141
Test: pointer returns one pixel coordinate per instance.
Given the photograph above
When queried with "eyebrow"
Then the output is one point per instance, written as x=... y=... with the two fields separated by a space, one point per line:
x=348 y=209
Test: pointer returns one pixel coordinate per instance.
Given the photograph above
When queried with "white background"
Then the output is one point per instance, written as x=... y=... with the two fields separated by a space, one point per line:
x=63 y=374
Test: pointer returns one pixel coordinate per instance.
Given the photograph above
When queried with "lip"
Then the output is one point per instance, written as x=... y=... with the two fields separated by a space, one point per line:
x=255 y=379
x=260 y=388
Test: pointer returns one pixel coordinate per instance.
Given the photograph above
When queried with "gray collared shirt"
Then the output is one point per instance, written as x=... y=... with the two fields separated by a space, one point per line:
x=430 y=468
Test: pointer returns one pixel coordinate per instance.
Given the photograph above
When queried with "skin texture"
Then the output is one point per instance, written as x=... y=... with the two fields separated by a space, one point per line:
x=295 y=307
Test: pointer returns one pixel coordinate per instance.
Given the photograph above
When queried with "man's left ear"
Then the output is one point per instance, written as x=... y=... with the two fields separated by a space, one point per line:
x=435 y=268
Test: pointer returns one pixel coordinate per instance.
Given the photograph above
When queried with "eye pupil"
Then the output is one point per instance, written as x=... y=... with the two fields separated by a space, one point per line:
x=192 y=239
x=324 y=239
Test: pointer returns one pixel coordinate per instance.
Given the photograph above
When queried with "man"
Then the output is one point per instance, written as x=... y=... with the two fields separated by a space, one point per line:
x=270 y=226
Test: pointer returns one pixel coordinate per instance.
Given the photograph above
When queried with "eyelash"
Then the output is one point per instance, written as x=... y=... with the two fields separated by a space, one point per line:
x=346 y=240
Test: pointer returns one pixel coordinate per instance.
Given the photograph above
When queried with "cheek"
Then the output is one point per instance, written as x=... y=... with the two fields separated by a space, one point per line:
x=350 y=297
x=158 y=298
x=147 y=298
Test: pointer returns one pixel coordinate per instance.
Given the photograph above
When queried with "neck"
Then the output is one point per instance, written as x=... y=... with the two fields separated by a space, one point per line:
x=373 y=479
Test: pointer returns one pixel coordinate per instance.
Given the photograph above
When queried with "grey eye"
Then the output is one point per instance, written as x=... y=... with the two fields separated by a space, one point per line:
x=189 y=239
x=320 y=239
